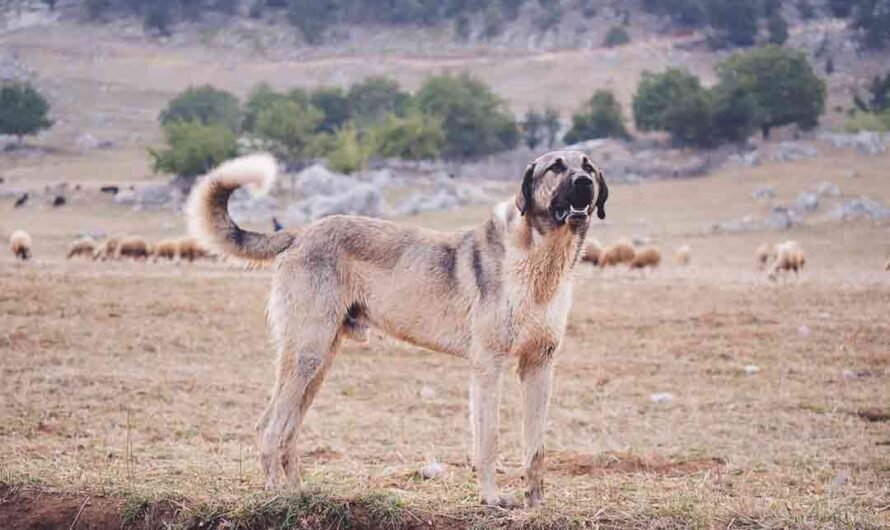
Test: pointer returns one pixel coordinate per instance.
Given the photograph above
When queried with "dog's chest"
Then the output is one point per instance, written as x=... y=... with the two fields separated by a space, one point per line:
x=537 y=328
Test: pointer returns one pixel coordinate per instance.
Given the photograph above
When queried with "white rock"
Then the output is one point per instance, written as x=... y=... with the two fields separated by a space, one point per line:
x=751 y=369
x=803 y=330
x=661 y=397
x=427 y=393
x=431 y=470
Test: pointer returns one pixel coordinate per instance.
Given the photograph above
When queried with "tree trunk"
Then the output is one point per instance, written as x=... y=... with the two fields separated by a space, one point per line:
x=765 y=130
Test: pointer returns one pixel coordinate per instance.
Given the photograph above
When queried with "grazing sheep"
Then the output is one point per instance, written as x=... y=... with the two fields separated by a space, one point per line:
x=592 y=252
x=20 y=243
x=190 y=249
x=108 y=249
x=789 y=256
x=646 y=257
x=135 y=247
x=616 y=253
x=167 y=249
x=684 y=255
x=82 y=246
x=763 y=254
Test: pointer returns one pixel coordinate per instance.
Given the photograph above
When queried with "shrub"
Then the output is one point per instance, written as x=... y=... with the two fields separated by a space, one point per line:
x=532 y=129
x=334 y=105
x=291 y=125
x=868 y=121
x=349 y=152
x=600 y=117
x=616 y=36
x=734 y=22
x=414 y=137
x=778 y=29
x=205 y=104
x=474 y=119
x=375 y=98
x=193 y=148
x=674 y=101
x=260 y=97
x=23 y=111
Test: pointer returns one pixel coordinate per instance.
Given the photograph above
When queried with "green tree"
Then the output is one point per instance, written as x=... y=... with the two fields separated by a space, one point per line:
x=193 y=148
x=205 y=104
x=474 y=119
x=376 y=97
x=552 y=125
x=734 y=21
x=312 y=17
x=872 y=17
x=840 y=8
x=96 y=9
x=260 y=97
x=674 y=101
x=158 y=18
x=532 y=129
x=291 y=125
x=616 y=36
x=806 y=9
x=335 y=106
x=733 y=113
x=23 y=111
x=781 y=82
x=777 y=28
x=601 y=117
x=413 y=137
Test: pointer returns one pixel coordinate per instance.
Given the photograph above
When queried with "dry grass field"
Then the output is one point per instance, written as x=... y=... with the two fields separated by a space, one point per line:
x=128 y=392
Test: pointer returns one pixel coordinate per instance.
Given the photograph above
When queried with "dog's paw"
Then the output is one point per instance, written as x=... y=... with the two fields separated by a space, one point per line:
x=534 y=498
x=505 y=501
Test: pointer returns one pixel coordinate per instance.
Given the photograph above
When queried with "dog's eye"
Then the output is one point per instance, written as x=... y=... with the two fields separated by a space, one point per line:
x=557 y=167
x=587 y=167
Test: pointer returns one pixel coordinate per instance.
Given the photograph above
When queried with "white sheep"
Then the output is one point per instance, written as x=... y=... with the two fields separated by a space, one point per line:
x=20 y=243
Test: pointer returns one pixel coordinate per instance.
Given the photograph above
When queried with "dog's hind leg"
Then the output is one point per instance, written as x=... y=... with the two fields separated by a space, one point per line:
x=537 y=382
x=305 y=323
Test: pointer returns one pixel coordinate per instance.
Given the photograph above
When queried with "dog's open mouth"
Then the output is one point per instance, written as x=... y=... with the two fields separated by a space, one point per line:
x=570 y=213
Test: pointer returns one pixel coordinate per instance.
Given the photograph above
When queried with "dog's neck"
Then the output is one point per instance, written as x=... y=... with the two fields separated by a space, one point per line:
x=546 y=260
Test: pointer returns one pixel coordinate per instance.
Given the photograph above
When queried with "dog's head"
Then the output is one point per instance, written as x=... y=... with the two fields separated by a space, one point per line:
x=562 y=188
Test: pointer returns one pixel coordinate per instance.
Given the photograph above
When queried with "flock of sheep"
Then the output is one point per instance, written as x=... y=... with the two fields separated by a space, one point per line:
x=780 y=258
x=118 y=247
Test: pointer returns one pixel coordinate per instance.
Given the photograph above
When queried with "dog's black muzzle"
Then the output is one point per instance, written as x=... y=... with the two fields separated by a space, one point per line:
x=577 y=200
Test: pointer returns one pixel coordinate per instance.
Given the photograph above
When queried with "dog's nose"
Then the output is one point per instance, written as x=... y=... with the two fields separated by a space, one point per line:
x=582 y=181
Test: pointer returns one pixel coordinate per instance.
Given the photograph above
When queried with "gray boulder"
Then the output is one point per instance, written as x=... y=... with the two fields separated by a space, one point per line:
x=828 y=189
x=764 y=192
x=808 y=202
x=861 y=208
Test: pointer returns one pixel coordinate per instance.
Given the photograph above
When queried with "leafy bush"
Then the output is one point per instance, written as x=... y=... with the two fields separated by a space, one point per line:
x=349 y=152
x=23 y=111
x=193 y=148
x=600 y=117
x=778 y=29
x=260 y=97
x=783 y=85
x=290 y=124
x=734 y=22
x=616 y=36
x=474 y=119
x=872 y=17
x=205 y=104
x=657 y=93
x=868 y=121
x=335 y=106
x=158 y=19
x=375 y=98
x=414 y=137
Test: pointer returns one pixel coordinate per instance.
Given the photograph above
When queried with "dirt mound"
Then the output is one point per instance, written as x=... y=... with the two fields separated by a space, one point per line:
x=28 y=509
x=574 y=464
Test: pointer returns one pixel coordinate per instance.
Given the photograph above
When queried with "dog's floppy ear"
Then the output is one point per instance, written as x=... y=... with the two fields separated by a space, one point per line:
x=602 y=195
x=526 y=197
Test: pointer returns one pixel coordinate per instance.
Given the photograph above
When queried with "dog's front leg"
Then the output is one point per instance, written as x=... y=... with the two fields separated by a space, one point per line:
x=486 y=391
x=537 y=382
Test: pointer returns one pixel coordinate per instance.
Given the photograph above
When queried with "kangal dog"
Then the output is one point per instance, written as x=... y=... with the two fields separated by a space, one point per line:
x=495 y=295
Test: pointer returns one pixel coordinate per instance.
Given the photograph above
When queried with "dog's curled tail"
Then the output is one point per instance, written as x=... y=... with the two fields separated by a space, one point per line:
x=208 y=215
